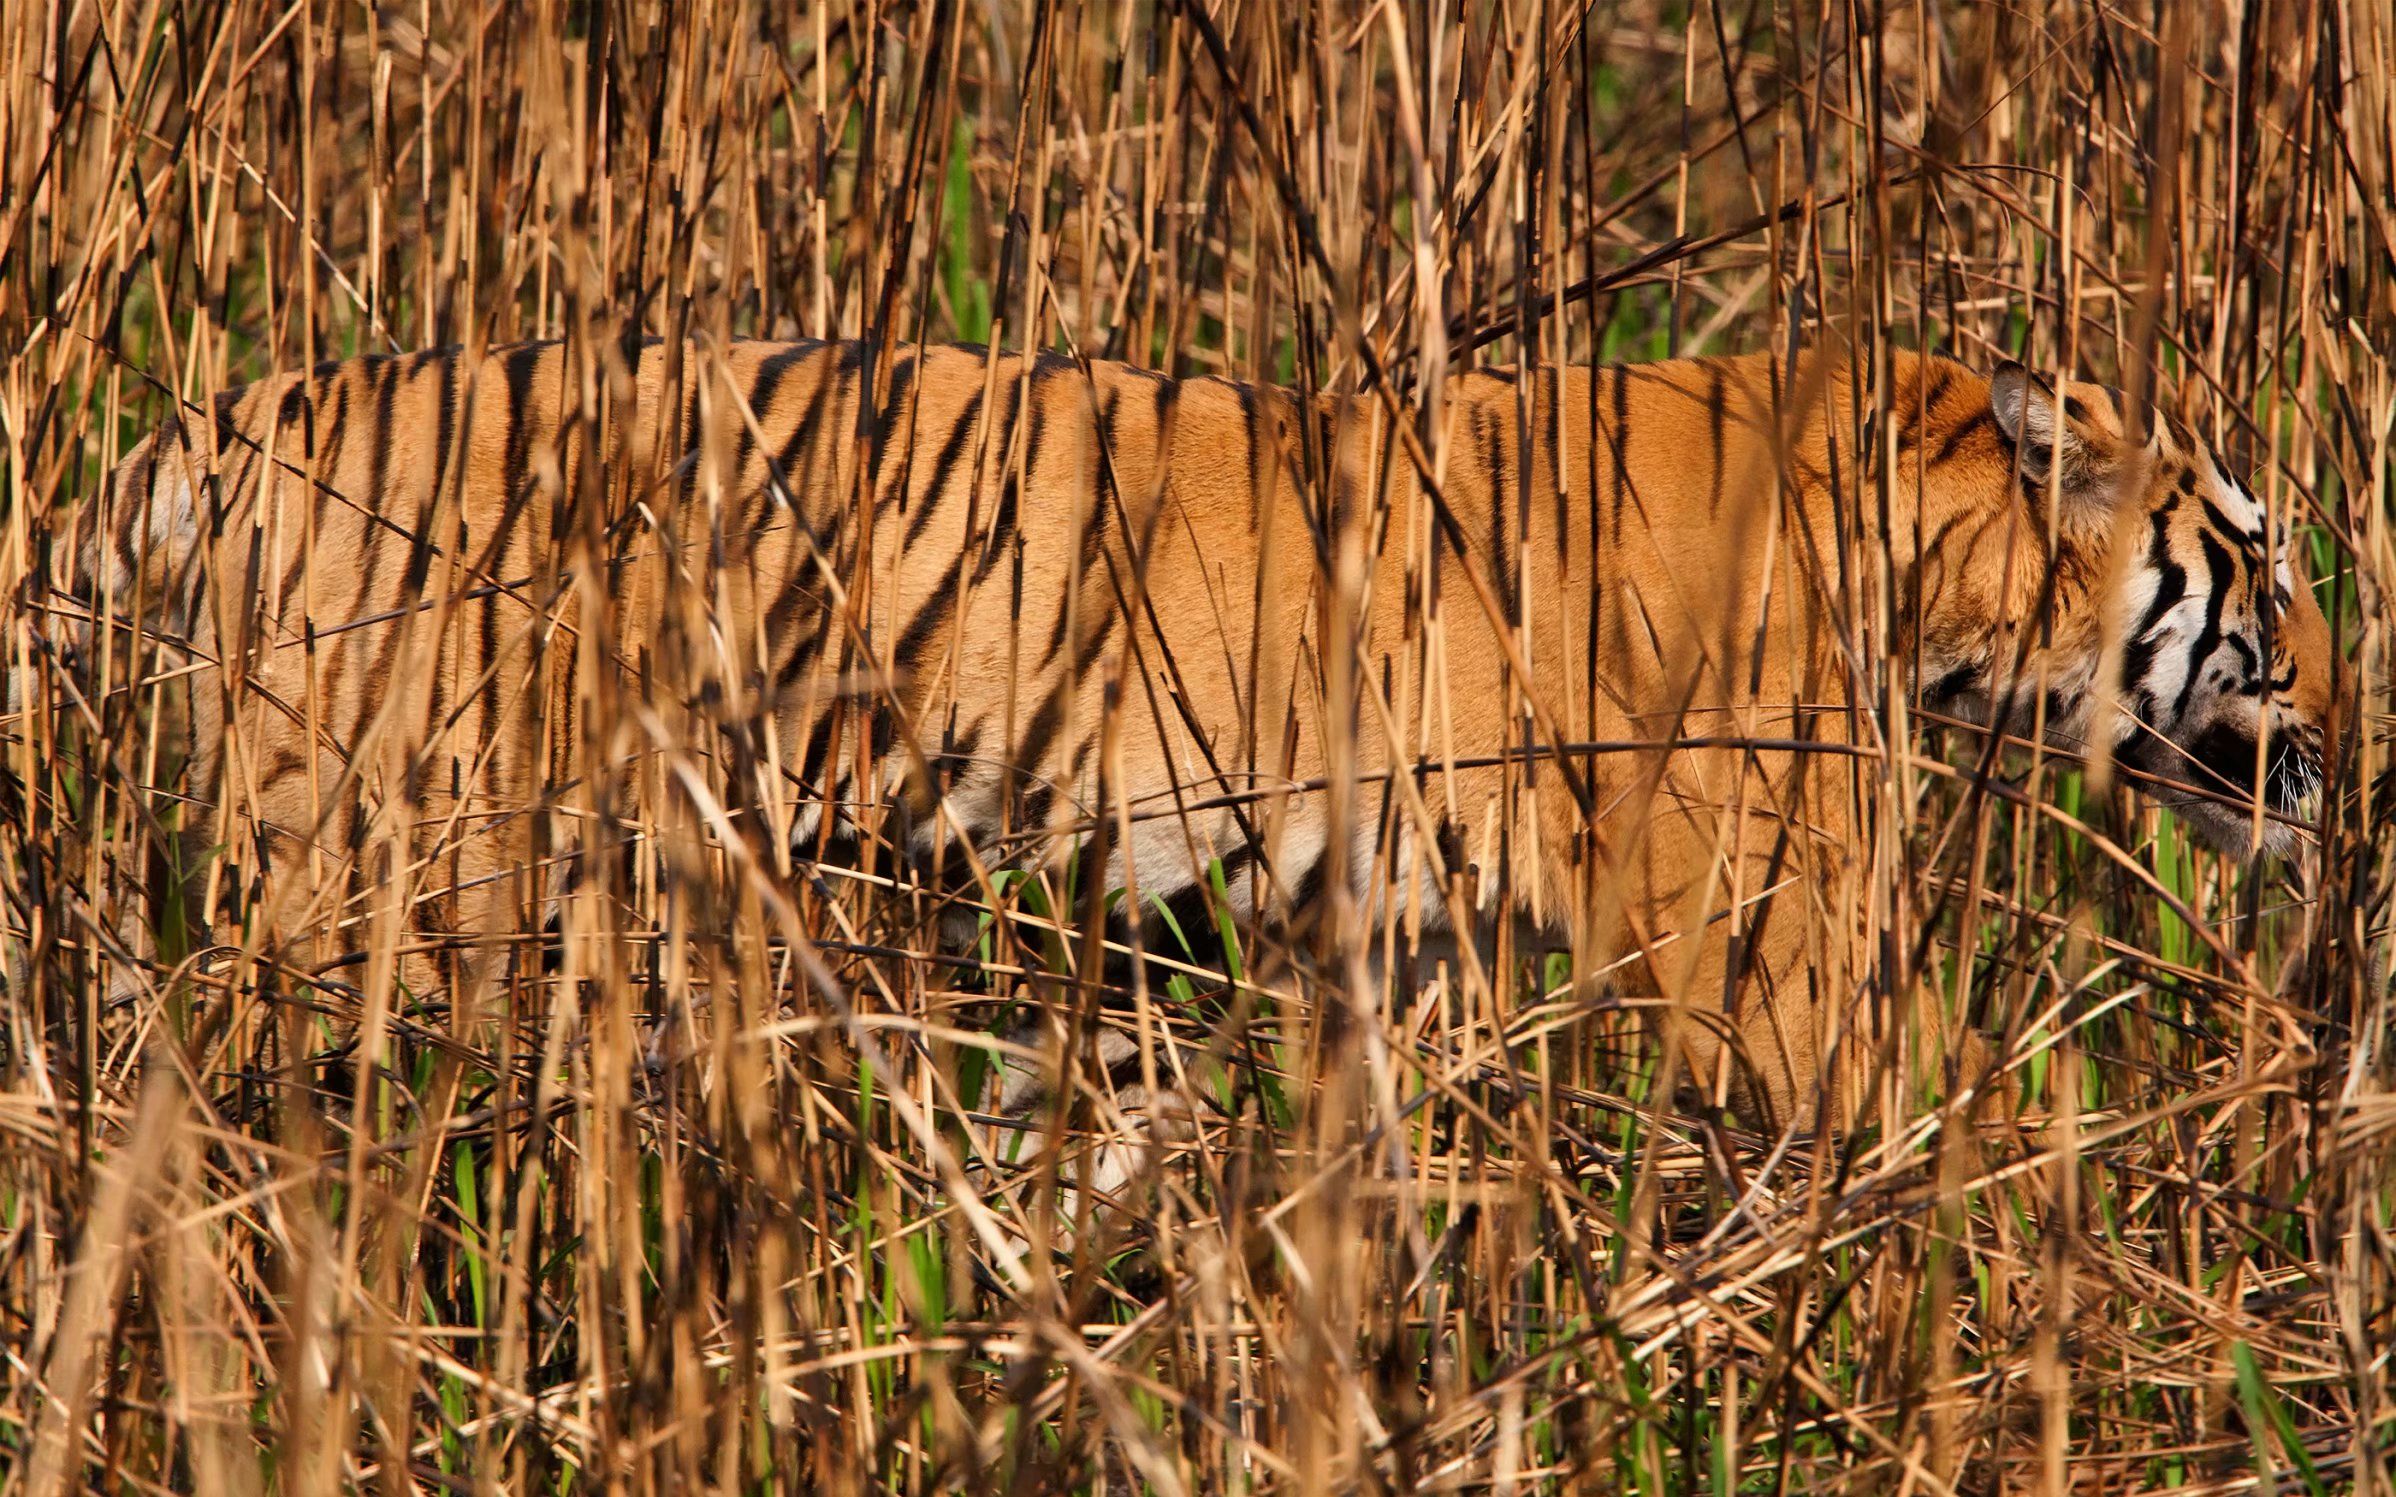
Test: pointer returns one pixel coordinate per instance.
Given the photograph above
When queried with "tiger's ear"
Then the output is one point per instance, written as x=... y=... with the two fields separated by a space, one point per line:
x=2024 y=405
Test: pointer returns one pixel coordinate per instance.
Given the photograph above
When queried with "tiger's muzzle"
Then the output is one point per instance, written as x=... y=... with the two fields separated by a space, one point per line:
x=2212 y=781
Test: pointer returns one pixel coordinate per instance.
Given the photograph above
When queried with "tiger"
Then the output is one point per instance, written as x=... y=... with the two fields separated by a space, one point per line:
x=1566 y=655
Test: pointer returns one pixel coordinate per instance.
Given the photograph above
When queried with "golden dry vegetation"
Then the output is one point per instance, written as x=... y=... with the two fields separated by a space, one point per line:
x=697 y=1198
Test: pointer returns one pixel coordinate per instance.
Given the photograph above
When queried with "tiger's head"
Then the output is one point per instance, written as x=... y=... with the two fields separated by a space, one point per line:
x=2184 y=630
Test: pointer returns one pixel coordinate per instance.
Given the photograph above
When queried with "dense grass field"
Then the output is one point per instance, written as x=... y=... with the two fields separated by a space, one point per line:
x=711 y=1192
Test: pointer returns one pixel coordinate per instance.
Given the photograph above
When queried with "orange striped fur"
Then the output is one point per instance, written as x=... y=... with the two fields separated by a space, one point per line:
x=1090 y=611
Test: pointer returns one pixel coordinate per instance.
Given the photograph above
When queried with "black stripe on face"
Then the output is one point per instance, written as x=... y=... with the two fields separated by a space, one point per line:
x=228 y=430
x=1190 y=904
x=2250 y=675
x=2286 y=679
x=2171 y=586
x=1190 y=910
x=2250 y=542
x=1037 y=802
x=2222 y=574
x=284 y=763
x=1313 y=883
x=1951 y=684
x=2148 y=426
x=2225 y=760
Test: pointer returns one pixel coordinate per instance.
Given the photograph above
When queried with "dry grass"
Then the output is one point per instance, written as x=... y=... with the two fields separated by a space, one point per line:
x=255 y=1233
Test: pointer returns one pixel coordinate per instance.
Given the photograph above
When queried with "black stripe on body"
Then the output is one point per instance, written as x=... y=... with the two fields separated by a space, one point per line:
x=133 y=491
x=1507 y=492
x=686 y=461
x=819 y=746
x=1094 y=529
x=765 y=386
x=800 y=444
x=889 y=419
x=1716 y=404
x=1962 y=432
x=1031 y=756
x=383 y=376
x=383 y=381
x=955 y=755
x=797 y=589
x=1107 y=500
x=1489 y=458
x=1924 y=407
x=516 y=485
x=1252 y=433
x=335 y=392
x=1010 y=492
x=1619 y=439
x=933 y=613
x=952 y=450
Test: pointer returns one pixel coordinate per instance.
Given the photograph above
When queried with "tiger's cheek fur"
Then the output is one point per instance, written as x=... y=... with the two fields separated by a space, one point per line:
x=2223 y=672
